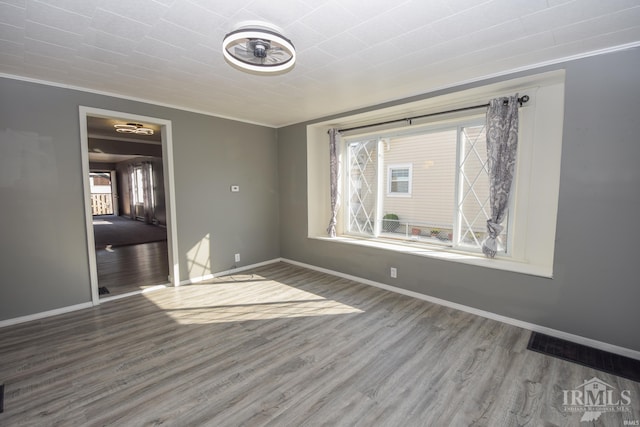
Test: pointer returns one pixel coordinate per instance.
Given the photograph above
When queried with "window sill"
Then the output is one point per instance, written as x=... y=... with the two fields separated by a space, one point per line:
x=407 y=195
x=446 y=254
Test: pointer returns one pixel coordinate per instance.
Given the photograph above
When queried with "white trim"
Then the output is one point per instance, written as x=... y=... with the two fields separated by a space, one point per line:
x=167 y=162
x=551 y=62
x=541 y=126
x=134 y=293
x=114 y=192
x=130 y=98
x=86 y=181
x=443 y=252
x=228 y=272
x=63 y=310
x=460 y=83
x=44 y=314
x=170 y=200
x=634 y=354
x=394 y=166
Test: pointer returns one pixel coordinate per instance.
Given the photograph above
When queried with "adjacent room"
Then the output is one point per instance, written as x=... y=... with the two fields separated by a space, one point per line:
x=319 y=213
x=129 y=220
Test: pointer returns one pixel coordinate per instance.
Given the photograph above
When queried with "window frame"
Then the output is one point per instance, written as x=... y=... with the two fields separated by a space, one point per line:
x=537 y=183
x=457 y=124
x=409 y=180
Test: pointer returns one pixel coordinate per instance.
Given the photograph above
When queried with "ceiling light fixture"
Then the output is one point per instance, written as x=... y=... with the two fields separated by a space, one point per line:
x=258 y=47
x=136 y=128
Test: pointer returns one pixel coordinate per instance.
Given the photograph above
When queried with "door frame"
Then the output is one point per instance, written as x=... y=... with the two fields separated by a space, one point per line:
x=115 y=195
x=169 y=188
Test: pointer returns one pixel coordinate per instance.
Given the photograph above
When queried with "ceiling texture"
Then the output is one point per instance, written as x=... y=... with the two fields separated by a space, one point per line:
x=351 y=53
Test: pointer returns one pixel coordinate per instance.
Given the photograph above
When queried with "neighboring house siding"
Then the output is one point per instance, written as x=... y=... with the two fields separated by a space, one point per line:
x=433 y=159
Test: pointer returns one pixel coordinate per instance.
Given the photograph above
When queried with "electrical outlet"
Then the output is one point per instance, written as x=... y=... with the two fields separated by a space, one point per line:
x=237 y=258
x=393 y=272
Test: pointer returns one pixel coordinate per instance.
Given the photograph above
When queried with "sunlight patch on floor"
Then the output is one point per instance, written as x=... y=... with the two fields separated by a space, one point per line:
x=223 y=314
x=244 y=298
x=101 y=222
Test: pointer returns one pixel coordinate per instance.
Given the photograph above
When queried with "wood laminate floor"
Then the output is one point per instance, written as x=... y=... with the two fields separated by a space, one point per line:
x=284 y=346
x=124 y=269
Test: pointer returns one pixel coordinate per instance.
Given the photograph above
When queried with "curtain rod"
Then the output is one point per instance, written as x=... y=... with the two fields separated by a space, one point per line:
x=521 y=100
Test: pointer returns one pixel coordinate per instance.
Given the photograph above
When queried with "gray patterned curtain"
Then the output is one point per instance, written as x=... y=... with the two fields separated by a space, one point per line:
x=149 y=206
x=502 y=144
x=334 y=170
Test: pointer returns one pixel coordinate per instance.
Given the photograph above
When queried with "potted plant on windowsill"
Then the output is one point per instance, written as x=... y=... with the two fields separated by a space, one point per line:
x=390 y=222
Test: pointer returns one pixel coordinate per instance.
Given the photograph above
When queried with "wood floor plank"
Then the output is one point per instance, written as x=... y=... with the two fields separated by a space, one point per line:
x=131 y=268
x=283 y=346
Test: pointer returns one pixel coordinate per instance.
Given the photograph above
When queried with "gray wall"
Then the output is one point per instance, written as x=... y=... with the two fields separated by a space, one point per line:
x=228 y=153
x=44 y=259
x=595 y=291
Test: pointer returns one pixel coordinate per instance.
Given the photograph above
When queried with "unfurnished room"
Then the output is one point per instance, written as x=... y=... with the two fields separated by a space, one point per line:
x=338 y=213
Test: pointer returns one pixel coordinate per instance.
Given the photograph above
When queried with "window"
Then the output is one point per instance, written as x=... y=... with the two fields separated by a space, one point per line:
x=142 y=185
x=399 y=180
x=100 y=179
x=447 y=180
x=137 y=185
x=455 y=177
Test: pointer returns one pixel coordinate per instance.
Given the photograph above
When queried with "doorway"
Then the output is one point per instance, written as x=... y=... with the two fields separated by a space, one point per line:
x=129 y=203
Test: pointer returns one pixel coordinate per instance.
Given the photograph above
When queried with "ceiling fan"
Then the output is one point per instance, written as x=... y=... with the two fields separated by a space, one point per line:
x=259 y=47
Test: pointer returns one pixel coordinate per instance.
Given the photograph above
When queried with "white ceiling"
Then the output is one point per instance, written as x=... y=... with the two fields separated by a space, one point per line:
x=351 y=53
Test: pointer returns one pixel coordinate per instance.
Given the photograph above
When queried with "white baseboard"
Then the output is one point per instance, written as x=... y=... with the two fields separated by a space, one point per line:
x=227 y=272
x=63 y=310
x=42 y=315
x=130 y=294
x=487 y=314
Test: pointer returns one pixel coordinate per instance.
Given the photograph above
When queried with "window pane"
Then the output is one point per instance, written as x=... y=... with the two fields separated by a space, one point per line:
x=399 y=173
x=400 y=187
x=430 y=207
x=474 y=188
x=400 y=177
x=140 y=185
x=445 y=173
x=362 y=183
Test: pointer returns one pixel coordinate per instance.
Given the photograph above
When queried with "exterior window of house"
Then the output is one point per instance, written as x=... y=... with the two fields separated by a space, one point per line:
x=100 y=179
x=443 y=168
x=399 y=180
